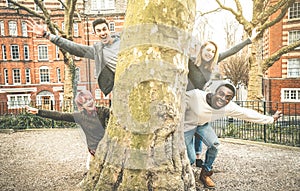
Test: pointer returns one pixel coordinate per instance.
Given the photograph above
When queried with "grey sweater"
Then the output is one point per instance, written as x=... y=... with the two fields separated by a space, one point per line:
x=102 y=54
x=93 y=125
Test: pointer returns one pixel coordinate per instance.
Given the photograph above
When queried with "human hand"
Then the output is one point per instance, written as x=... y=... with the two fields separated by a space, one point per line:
x=39 y=30
x=31 y=110
x=277 y=115
x=254 y=34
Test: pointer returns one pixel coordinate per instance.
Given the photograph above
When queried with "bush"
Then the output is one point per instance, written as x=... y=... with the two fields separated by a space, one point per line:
x=29 y=121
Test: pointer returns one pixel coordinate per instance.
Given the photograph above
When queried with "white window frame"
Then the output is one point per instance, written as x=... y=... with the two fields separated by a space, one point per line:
x=97 y=94
x=27 y=76
x=57 y=51
x=77 y=74
x=16 y=101
x=112 y=26
x=4 y=55
x=44 y=72
x=290 y=94
x=43 y=52
x=76 y=29
x=5 y=75
x=16 y=74
x=293 y=69
x=295 y=10
x=102 y=5
x=10 y=5
x=26 y=52
x=15 y=52
x=58 y=73
x=294 y=36
x=2 y=29
x=37 y=8
x=13 y=28
x=24 y=29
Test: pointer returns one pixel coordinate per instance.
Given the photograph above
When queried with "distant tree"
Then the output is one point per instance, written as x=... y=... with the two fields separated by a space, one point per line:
x=261 y=13
x=236 y=67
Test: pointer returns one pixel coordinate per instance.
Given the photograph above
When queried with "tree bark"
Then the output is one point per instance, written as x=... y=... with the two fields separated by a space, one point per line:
x=143 y=147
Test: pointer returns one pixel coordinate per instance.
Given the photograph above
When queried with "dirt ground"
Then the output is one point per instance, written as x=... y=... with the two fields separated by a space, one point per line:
x=43 y=160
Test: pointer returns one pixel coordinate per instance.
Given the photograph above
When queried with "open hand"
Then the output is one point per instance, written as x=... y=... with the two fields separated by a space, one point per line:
x=277 y=115
x=35 y=28
x=31 y=110
x=254 y=34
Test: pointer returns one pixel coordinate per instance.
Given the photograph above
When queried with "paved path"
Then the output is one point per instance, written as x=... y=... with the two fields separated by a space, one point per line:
x=55 y=160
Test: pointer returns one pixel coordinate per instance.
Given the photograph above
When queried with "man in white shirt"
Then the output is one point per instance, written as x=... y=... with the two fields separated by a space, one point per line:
x=203 y=107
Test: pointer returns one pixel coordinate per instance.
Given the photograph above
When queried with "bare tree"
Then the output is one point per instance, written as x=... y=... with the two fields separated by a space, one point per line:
x=143 y=147
x=236 y=67
x=262 y=10
x=69 y=5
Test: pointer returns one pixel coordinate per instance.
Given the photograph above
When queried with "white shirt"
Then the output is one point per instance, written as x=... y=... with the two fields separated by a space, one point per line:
x=198 y=112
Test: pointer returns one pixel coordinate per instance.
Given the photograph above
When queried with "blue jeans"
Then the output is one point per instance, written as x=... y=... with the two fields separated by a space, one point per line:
x=198 y=144
x=209 y=138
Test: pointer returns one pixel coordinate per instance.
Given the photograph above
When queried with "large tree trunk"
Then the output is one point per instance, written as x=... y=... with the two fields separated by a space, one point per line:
x=143 y=147
x=255 y=75
x=69 y=83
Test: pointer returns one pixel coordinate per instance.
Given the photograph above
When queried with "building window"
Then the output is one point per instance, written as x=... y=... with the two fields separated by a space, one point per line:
x=24 y=29
x=16 y=76
x=15 y=52
x=57 y=52
x=26 y=52
x=4 y=56
x=10 y=5
x=290 y=94
x=2 y=31
x=5 y=71
x=42 y=52
x=102 y=4
x=44 y=74
x=294 y=36
x=97 y=94
x=112 y=26
x=77 y=74
x=18 y=100
x=12 y=26
x=293 y=68
x=27 y=75
x=58 y=75
x=37 y=8
x=75 y=27
x=294 y=11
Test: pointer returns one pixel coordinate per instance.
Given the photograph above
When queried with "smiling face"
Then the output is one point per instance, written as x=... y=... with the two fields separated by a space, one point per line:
x=89 y=105
x=208 y=52
x=222 y=97
x=85 y=101
x=102 y=31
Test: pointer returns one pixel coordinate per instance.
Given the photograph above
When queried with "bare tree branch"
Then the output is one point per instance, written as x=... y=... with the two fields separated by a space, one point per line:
x=276 y=56
x=27 y=9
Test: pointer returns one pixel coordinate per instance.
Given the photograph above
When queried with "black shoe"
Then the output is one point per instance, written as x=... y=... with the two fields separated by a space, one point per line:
x=199 y=163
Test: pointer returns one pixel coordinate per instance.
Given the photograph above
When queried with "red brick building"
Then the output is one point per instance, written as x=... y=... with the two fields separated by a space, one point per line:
x=32 y=68
x=281 y=82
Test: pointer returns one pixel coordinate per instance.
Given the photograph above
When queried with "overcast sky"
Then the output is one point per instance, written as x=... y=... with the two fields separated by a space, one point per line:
x=217 y=20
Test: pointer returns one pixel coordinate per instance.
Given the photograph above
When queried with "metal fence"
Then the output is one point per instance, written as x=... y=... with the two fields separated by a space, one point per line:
x=285 y=131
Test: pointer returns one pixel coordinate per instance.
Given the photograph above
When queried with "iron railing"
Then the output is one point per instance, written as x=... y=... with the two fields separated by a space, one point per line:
x=285 y=131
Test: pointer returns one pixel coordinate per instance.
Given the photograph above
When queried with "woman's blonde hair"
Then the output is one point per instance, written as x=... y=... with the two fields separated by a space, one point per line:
x=213 y=61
